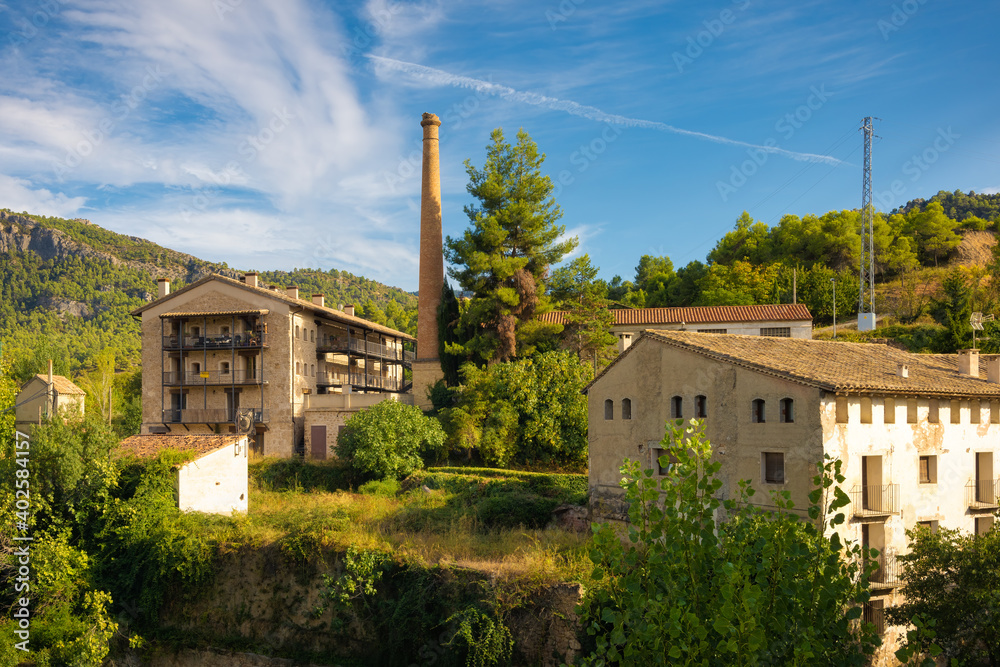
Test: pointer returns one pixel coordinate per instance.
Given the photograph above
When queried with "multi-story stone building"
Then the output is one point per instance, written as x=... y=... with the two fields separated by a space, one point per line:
x=788 y=320
x=220 y=349
x=918 y=434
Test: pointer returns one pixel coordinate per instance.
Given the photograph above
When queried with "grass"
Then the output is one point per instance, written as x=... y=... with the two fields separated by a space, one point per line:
x=488 y=520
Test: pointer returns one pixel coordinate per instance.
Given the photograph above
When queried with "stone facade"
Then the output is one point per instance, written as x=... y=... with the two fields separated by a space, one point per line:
x=39 y=399
x=221 y=346
x=917 y=434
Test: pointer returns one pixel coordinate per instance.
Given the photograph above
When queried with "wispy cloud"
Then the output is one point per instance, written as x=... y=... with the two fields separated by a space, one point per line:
x=442 y=78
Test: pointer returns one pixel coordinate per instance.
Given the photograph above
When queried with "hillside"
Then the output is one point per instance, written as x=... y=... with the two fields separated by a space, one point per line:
x=67 y=288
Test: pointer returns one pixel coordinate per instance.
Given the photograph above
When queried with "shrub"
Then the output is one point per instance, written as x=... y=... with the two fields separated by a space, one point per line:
x=387 y=439
x=514 y=510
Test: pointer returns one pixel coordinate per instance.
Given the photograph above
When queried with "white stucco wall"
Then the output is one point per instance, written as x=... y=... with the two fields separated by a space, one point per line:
x=216 y=483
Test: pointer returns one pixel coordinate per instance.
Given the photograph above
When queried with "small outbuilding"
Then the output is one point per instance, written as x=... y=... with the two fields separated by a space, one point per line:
x=214 y=481
x=45 y=396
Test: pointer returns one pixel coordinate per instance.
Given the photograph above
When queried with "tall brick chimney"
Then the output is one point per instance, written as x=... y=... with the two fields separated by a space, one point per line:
x=427 y=367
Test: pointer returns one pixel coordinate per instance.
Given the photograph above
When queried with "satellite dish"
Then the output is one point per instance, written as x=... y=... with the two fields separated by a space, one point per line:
x=244 y=421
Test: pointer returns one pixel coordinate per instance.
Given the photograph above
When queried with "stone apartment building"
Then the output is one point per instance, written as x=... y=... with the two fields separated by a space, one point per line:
x=220 y=348
x=919 y=435
x=788 y=320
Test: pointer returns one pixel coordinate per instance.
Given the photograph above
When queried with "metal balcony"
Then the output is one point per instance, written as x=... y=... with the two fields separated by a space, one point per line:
x=875 y=501
x=982 y=494
x=207 y=416
x=242 y=341
x=208 y=378
x=887 y=572
x=360 y=346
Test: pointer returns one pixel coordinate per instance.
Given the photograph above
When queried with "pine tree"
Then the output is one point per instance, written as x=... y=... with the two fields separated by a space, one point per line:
x=503 y=257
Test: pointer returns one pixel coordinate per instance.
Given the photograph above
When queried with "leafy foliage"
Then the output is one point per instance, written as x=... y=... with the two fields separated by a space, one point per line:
x=528 y=411
x=503 y=258
x=765 y=588
x=583 y=298
x=387 y=439
x=952 y=580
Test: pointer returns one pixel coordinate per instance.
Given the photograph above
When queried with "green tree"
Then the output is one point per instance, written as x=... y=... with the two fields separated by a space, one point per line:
x=934 y=230
x=953 y=311
x=952 y=580
x=749 y=241
x=387 y=440
x=529 y=411
x=587 y=328
x=762 y=588
x=502 y=259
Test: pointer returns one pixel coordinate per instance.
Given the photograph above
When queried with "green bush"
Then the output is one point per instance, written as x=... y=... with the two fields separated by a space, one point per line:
x=514 y=510
x=274 y=474
x=387 y=439
x=380 y=487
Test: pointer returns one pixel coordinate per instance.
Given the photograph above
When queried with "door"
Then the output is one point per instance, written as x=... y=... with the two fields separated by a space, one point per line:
x=232 y=404
x=317 y=436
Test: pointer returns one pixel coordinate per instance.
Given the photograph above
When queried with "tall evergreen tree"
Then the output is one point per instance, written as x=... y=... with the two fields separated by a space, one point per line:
x=504 y=256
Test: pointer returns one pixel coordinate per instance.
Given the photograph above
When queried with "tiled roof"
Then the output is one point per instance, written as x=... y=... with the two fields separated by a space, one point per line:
x=833 y=366
x=148 y=446
x=63 y=385
x=786 y=312
x=278 y=295
x=250 y=311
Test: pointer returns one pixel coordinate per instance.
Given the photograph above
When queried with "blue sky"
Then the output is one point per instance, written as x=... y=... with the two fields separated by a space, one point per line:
x=278 y=135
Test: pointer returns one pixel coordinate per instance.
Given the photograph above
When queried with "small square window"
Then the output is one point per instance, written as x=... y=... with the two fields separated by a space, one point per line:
x=929 y=525
x=773 y=467
x=984 y=524
x=928 y=469
x=658 y=461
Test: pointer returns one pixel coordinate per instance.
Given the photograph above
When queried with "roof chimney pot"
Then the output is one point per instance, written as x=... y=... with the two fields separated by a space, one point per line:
x=292 y=291
x=968 y=363
x=164 y=286
x=319 y=300
x=250 y=279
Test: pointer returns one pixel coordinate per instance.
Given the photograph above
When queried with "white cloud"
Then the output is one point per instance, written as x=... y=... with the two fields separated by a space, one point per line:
x=18 y=195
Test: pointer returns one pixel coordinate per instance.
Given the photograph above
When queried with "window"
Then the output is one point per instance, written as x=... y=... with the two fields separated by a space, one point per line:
x=874 y=613
x=928 y=470
x=659 y=461
x=779 y=332
x=196 y=368
x=911 y=411
x=296 y=330
x=842 y=410
x=773 y=467
x=932 y=411
x=312 y=335
x=224 y=367
x=929 y=525
x=866 y=410
x=888 y=411
x=956 y=412
x=700 y=406
x=225 y=331
x=626 y=408
x=312 y=370
x=609 y=409
x=786 y=411
x=715 y=331
x=975 y=411
x=298 y=369
x=995 y=412
x=677 y=407
x=757 y=411
x=984 y=524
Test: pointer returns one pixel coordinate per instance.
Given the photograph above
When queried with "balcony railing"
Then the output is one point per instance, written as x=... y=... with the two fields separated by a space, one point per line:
x=982 y=494
x=361 y=381
x=225 y=341
x=360 y=346
x=207 y=416
x=878 y=500
x=887 y=572
x=195 y=378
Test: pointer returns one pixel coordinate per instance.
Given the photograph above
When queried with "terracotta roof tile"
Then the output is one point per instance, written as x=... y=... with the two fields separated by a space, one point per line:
x=833 y=366
x=148 y=446
x=787 y=312
x=63 y=385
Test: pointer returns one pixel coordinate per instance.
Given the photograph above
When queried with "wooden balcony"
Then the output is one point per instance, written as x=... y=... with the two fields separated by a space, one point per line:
x=981 y=495
x=877 y=501
x=361 y=381
x=366 y=347
x=211 y=378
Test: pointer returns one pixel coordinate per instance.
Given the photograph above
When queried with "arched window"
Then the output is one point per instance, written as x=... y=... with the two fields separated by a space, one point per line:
x=296 y=330
x=700 y=406
x=609 y=409
x=626 y=408
x=298 y=368
x=676 y=407
x=757 y=411
x=787 y=411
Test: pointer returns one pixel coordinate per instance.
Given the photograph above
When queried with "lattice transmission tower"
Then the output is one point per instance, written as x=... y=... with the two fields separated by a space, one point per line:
x=866 y=300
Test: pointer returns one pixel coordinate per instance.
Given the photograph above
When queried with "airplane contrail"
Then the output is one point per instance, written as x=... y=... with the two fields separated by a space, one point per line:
x=442 y=78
